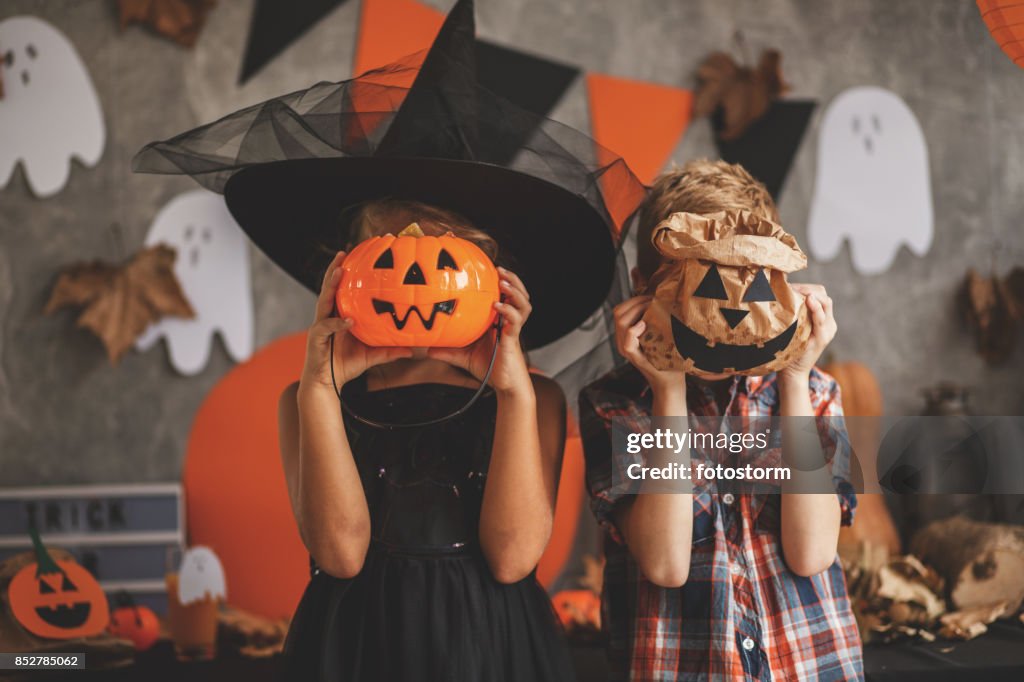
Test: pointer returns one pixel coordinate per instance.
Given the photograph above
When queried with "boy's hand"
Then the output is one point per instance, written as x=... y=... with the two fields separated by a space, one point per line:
x=628 y=328
x=823 y=330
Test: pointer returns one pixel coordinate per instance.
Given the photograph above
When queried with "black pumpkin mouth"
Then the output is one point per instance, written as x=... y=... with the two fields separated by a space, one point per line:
x=387 y=307
x=64 y=616
x=722 y=357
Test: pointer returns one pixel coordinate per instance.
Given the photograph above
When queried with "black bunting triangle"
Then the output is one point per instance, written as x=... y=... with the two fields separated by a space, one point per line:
x=769 y=145
x=534 y=83
x=276 y=25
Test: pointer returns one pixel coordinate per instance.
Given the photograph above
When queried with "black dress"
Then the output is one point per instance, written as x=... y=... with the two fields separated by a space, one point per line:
x=425 y=606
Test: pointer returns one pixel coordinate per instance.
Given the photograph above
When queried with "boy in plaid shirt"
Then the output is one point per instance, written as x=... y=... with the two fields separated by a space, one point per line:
x=717 y=585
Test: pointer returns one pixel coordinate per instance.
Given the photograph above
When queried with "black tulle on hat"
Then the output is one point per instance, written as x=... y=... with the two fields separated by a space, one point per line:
x=424 y=129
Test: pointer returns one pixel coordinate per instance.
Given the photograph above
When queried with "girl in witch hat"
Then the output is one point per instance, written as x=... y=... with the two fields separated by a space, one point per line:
x=427 y=499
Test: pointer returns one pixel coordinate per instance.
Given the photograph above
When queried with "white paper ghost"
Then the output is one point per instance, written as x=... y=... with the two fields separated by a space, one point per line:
x=49 y=112
x=213 y=269
x=873 y=187
x=201 y=576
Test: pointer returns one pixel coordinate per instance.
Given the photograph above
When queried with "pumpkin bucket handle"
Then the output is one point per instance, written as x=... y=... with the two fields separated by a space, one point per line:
x=392 y=426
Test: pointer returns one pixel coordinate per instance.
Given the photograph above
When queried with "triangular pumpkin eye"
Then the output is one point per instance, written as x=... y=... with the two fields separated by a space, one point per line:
x=67 y=585
x=711 y=286
x=759 y=290
x=44 y=587
x=385 y=261
x=445 y=260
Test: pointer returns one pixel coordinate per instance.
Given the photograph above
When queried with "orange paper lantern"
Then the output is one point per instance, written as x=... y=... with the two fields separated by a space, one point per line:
x=1005 y=21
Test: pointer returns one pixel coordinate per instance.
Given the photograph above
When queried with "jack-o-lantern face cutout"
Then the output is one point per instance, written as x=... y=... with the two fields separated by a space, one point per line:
x=418 y=291
x=57 y=599
x=724 y=305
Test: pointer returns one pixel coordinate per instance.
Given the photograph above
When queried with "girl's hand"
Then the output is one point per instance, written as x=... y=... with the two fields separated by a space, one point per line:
x=628 y=328
x=823 y=330
x=510 y=373
x=351 y=356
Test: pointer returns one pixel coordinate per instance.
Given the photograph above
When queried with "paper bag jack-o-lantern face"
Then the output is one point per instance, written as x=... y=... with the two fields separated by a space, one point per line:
x=724 y=305
x=418 y=291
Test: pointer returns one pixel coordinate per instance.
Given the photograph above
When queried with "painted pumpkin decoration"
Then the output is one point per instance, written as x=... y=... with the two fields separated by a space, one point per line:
x=724 y=305
x=57 y=599
x=415 y=290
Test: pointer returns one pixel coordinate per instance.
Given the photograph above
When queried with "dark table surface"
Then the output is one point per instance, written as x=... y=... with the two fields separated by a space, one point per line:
x=995 y=656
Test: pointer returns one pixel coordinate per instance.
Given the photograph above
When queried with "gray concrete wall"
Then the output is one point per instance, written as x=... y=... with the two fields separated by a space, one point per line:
x=67 y=417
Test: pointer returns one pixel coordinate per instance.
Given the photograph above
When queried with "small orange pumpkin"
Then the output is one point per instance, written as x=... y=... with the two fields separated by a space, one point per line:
x=578 y=609
x=418 y=291
x=57 y=599
x=138 y=624
x=862 y=403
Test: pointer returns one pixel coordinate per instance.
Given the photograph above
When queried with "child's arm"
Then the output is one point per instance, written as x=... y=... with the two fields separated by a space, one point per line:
x=529 y=436
x=657 y=527
x=810 y=521
x=519 y=500
x=323 y=483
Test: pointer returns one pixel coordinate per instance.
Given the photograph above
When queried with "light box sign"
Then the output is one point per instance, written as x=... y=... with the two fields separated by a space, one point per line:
x=120 y=533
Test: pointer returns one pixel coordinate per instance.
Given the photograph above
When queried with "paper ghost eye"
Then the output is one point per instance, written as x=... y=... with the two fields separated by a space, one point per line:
x=30 y=50
x=386 y=261
x=445 y=260
x=24 y=77
x=759 y=290
x=856 y=125
x=711 y=286
x=877 y=123
x=9 y=58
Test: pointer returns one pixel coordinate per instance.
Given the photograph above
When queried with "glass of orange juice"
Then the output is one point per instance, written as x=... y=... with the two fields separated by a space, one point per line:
x=193 y=626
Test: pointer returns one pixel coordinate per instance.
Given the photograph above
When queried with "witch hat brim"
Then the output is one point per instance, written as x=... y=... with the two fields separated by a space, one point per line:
x=559 y=253
x=290 y=167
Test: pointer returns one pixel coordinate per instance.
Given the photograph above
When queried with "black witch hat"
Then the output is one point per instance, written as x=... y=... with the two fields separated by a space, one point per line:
x=422 y=128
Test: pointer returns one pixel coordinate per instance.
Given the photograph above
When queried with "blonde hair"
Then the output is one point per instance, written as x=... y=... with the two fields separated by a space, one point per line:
x=700 y=186
x=381 y=216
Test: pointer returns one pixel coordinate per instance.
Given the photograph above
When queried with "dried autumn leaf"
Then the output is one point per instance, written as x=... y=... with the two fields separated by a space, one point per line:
x=992 y=312
x=907 y=580
x=969 y=623
x=179 y=20
x=741 y=94
x=120 y=301
x=1015 y=288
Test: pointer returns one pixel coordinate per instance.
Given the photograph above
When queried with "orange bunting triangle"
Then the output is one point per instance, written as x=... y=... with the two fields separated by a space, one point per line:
x=392 y=29
x=640 y=121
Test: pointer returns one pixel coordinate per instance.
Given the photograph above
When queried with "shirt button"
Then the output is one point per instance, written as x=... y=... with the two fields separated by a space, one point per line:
x=728 y=498
x=736 y=569
x=748 y=644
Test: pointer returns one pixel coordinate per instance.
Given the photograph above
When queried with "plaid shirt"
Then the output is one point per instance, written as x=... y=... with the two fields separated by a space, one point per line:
x=742 y=614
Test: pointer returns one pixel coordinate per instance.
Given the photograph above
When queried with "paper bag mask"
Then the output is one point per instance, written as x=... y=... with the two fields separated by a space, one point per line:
x=723 y=305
